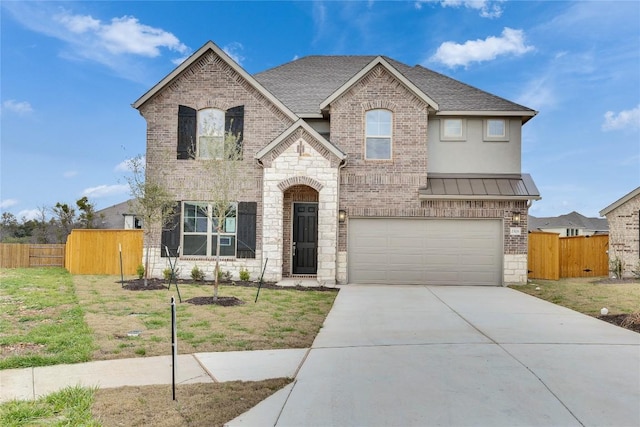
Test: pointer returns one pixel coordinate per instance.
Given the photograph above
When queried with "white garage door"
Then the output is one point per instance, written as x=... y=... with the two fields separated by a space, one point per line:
x=425 y=251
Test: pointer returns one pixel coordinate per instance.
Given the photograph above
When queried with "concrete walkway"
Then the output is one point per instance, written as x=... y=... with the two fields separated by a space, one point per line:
x=30 y=383
x=460 y=356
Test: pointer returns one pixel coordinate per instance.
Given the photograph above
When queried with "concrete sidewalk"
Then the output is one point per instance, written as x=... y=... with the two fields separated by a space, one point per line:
x=416 y=356
x=30 y=383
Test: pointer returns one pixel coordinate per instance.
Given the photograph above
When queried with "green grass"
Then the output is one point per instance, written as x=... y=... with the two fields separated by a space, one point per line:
x=41 y=321
x=68 y=407
x=586 y=295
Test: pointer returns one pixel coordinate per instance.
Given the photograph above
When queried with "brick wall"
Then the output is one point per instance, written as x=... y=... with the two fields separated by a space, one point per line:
x=209 y=82
x=624 y=234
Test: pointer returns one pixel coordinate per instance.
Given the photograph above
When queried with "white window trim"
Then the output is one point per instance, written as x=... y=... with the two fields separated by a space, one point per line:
x=366 y=136
x=485 y=131
x=210 y=231
x=201 y=124
x=463 y=128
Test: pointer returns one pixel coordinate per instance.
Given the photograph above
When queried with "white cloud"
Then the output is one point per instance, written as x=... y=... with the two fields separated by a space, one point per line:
x=114 y=43
x=626 y=119
x=19 y=107
x=105 y=191
x=487 y=8
x=126 y=165
x=7 y=203
x=452 y=54
x=538 y=94
x=233 y=50
x=30 y=214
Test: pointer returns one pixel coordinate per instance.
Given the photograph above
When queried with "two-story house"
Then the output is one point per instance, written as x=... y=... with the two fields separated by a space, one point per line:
x=355 y=169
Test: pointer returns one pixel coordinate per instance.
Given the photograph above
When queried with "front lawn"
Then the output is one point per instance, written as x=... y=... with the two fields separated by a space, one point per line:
x=50 y=317
x=589 y=295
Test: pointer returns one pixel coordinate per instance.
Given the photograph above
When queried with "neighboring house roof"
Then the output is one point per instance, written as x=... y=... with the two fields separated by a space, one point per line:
x=485 y=186
x=570 y=220
x=306 y=83
x=113 y=216
x=621 y=201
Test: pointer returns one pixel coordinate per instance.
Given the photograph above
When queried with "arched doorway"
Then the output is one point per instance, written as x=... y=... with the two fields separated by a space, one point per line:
x=300 y=231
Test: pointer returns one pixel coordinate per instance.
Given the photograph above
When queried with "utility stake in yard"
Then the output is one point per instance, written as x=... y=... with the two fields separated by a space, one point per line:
x=174 y=347
x=260 y=284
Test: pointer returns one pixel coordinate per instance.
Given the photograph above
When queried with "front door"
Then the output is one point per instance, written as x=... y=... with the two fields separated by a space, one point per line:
x=305 y=238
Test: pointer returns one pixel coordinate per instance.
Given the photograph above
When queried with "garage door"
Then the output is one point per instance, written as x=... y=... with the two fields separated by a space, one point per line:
x=425 y=251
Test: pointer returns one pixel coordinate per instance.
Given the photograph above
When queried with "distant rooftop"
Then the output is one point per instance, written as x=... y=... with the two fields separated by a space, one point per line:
x=570 y=220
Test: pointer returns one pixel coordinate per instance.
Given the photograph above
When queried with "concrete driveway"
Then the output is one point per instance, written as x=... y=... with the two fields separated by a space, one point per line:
x=459 y=356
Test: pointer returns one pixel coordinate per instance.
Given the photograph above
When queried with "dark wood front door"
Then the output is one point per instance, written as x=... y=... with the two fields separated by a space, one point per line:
x=305 y=238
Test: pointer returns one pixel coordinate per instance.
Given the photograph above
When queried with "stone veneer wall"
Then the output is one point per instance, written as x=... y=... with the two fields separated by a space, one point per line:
x=624 y=235
x=300 y=160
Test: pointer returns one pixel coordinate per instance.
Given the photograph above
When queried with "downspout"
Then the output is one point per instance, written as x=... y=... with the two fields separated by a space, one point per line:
x=342 y=164
x=262 y=216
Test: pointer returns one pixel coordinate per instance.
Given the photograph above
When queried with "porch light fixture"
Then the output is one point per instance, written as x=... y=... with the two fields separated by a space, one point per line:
x=342 y=215
x=516 y=217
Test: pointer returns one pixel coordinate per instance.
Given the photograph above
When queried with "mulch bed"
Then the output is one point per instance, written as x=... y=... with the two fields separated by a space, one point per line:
x=154 y=284
x=223 y=301
x=619 y=320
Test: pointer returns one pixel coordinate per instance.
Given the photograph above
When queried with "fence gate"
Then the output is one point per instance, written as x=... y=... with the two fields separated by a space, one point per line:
x=552 y=257
x=46 y=255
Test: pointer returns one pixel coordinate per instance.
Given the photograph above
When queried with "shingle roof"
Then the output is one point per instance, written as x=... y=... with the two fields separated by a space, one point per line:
x=303 y=84
x=570 y=220
x=452 y=186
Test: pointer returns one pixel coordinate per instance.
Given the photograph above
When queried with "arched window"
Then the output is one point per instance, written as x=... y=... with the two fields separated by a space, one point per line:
x=378 y=134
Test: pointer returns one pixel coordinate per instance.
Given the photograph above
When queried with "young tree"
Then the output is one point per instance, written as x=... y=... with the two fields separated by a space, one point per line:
x=223 y=168
x=151 y=202
x=65 y=217
x=88 y=214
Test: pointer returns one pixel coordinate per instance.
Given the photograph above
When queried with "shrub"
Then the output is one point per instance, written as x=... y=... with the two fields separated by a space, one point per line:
x=169 y=275
x=224 y=275
x=197 y=274
x=244 y=274
x=616 y=266
x=140 y=271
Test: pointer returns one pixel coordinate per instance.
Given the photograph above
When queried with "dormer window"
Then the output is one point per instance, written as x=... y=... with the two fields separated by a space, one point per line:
x=378 y=134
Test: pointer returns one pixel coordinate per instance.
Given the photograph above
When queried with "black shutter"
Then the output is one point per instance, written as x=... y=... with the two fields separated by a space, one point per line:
x=234 y=125
x=171 y=233
x=186 y=132
x=247 y=229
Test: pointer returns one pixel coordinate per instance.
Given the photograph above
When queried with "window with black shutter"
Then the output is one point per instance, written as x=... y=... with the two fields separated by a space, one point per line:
x=171 y=233
x=234 y=125
x=187 y=130
x=247 y=212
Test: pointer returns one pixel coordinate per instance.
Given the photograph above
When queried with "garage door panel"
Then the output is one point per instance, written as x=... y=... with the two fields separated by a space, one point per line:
x=425 y=251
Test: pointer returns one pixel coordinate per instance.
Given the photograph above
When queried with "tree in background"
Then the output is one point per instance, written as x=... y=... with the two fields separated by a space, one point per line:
x=65 y=217
x=88 y=214
x=151 y=202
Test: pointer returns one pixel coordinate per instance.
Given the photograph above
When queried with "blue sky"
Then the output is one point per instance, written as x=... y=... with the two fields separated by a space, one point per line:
x=71 y=70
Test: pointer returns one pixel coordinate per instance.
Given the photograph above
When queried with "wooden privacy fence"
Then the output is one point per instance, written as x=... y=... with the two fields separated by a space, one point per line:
x=24 y=255
x=552 y=257
x=98 y=251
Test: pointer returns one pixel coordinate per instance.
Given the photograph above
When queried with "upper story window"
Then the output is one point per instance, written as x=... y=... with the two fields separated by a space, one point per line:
x=210 y=133
x=453 y=129
x=496 y=130
x=378 y=134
